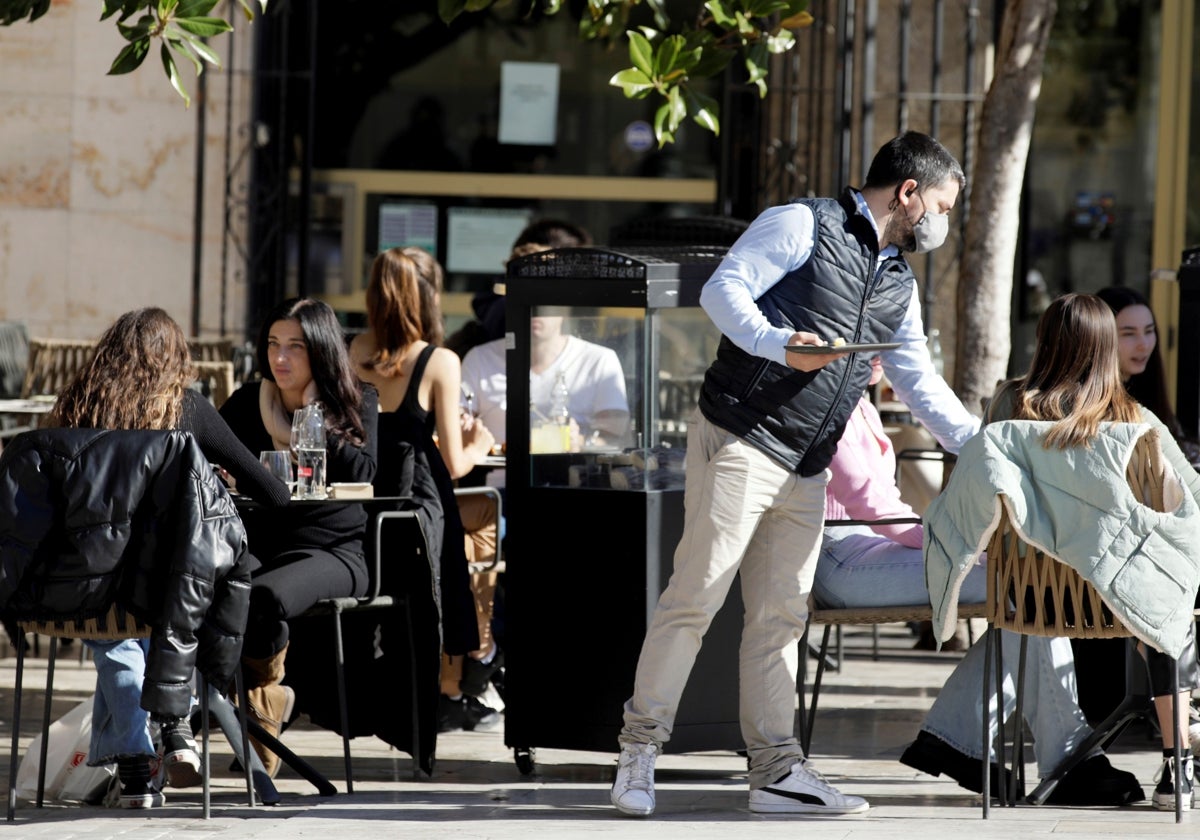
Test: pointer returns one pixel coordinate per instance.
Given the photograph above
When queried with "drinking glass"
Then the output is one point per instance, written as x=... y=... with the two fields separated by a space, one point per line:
x=279 y=464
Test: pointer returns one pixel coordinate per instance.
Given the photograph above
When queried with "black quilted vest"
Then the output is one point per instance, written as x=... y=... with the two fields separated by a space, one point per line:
x=793 y=416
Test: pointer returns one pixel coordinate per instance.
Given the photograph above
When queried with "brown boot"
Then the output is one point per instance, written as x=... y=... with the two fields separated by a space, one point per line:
x=271 y=706
x=270 y=703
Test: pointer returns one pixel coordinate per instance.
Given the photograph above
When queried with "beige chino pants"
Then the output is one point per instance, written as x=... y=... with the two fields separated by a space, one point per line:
x=743 y=511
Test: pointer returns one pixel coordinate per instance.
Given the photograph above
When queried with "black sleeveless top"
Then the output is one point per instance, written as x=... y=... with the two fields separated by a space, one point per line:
x=410 y=464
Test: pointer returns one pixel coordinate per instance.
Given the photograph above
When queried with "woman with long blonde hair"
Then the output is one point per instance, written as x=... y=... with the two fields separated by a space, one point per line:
x=139 y=378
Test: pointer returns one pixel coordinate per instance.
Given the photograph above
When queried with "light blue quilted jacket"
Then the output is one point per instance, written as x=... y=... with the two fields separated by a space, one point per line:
x=1076 y=505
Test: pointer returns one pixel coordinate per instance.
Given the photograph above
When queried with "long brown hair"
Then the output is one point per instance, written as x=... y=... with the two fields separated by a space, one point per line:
x=134 y=380
x=1074 y=378
x=398 y=312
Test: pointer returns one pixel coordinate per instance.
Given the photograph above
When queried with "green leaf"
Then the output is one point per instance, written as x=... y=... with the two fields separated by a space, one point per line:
x=203 y=27
x=678 y=108
x=173 y=74
x=665 y=55
x=166 y=7
x=713 y=60
x=194 y=8
x=704 y=110
x=130 y=58
x=181 y=48
x=139 y=30
x=661 y=131
x=448 y=10
x=641 y=53
x=203 y=50
x=721 y=14
x=781 y=42
x=634 y=82
x=659 y=8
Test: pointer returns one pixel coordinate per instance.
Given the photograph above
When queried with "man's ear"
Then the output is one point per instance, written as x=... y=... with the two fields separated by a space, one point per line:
x=908 y=187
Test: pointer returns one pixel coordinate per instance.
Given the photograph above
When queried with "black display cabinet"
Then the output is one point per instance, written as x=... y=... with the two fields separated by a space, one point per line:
x=593 y=516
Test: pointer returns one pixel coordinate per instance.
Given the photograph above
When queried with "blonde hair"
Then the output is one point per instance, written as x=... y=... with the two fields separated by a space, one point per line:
x=134 y=380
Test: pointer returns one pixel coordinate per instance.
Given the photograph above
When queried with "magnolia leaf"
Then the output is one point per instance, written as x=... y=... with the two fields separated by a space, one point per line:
x=704 y=110
x=203 y=50
x=800 y=20
x=780 y=43
x=130 y=58
x=720 y=14
x=194 y=8
x=139 y=30
x=641 y=53
x=173 y=74
x=634 y=82
x=661 y=131
x=664 y=57
x=166 y=7
x=448 y=10
x=181 y=48
x=678 y=108
x=713 y=60
x=203 y=27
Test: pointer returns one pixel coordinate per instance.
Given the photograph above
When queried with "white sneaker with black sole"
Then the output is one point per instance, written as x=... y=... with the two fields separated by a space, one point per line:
x=804 y=791
x=633 y=791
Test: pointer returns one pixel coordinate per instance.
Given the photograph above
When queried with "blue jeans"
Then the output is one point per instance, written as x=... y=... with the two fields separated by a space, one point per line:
x=859 y=568
x=120 y=726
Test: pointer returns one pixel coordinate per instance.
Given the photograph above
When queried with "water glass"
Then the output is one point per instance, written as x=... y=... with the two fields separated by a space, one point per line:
x=310 y=473
x=279 y=464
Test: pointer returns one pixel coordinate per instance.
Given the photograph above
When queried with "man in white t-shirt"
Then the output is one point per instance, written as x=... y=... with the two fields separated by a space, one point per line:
x=591 y=372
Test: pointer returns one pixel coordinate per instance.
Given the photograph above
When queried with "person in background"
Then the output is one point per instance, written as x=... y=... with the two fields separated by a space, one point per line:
x=419 y=388
x=138 y=379
x=488 y=323
x=1074 y=379
x=1144 y=377
x=803 y=275
x=302 y=554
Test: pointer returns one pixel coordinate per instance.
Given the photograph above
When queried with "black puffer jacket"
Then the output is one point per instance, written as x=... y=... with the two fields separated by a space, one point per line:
x=797 y=417
x=89 y=518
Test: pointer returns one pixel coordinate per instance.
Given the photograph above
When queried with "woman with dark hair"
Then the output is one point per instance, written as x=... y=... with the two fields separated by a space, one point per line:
x=302 y=554
x=419 y=390
x=138 y=378
x=1142 y=368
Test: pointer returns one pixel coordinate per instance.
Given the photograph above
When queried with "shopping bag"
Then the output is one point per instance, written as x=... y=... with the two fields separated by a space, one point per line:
x=68 y=777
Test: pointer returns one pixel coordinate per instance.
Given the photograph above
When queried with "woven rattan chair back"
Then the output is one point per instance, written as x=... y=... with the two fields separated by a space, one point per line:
x=1033 y=594
x=53 y=363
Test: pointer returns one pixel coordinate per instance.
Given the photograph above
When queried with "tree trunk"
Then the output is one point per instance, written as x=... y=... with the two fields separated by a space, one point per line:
x=1005 y=125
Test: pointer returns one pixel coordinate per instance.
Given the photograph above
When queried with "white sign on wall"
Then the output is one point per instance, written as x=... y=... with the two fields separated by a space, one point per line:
x=528 y=103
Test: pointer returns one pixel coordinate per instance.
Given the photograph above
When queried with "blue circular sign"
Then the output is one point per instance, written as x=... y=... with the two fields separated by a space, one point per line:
x=639 y=136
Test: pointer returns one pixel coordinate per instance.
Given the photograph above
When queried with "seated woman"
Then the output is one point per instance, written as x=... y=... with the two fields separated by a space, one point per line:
x=882 y=565
x=1074 y=381
x=419 y=390
x=138 y=379
x=302 y=553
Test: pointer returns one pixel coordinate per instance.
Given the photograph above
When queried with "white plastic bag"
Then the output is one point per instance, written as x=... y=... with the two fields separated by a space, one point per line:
x=68 y=777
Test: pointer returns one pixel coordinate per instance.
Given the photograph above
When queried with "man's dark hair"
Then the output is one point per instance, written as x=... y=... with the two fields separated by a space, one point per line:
x=917 y=156
x=553 y=233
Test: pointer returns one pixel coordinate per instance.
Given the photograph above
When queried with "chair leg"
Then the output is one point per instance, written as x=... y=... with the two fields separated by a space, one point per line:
x=1177 y=741
x=988 y=639
x=343 y=712
x=205 y=765
x=41 y=788
x=1001 y=752
x=1018 y=773
x=416 y=694
x=801 y=690
x=13 y=754
x=816 y=690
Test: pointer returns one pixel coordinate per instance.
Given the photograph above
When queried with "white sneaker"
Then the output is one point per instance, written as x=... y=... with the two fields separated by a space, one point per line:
x=804 y=791
x=633 y=791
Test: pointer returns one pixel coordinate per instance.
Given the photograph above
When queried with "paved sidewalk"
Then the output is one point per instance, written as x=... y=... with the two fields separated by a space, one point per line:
x=870 y=711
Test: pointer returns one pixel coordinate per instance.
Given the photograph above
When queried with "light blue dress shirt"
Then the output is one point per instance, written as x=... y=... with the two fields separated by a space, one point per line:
x=781 y=240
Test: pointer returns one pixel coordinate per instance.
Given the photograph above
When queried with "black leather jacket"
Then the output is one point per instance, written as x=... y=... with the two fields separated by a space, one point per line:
x=793 y=416
x=91 y=517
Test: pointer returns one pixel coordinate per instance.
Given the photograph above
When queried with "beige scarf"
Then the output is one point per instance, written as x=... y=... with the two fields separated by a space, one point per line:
x=277 y=420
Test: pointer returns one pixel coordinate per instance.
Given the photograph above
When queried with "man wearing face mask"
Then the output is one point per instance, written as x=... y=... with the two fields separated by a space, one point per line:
x=768 y=423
